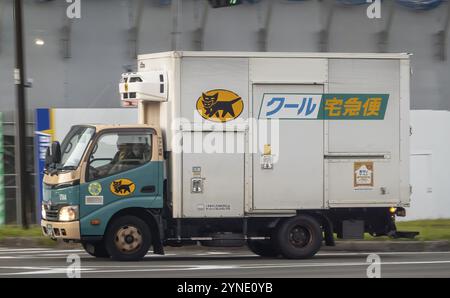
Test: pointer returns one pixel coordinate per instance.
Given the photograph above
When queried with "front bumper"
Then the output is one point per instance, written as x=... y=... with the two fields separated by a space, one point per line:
x=61 y=230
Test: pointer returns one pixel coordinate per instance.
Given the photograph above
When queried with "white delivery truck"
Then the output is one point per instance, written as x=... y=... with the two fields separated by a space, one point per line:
x=276 y=150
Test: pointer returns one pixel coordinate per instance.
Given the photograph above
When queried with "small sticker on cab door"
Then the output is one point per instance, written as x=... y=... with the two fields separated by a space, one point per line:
x=93 y=200
x=95 y=188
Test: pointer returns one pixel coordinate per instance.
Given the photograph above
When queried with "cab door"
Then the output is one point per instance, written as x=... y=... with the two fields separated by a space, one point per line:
x=122 y=171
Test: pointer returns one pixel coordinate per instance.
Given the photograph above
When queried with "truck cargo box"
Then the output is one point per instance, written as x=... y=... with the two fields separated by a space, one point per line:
x=308 y=130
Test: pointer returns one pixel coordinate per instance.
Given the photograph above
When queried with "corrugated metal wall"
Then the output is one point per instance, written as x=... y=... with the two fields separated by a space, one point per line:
x=101 y=41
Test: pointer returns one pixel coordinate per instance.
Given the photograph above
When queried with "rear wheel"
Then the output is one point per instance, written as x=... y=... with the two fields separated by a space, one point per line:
x=263 y=248
x=128 y=238
x=299 y=237
x=95 y=249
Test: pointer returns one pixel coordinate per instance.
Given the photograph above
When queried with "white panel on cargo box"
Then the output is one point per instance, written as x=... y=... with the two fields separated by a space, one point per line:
x=200 y=75
x=344 y=191
x=222 y=193
x=289 y=70
x=365 y=76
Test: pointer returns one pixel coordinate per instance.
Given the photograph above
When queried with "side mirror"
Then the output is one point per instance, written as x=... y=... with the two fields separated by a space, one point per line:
x=56 y=152
x=53 y=154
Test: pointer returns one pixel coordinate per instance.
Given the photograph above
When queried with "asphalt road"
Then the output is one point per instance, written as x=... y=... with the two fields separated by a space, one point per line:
x=221 y=263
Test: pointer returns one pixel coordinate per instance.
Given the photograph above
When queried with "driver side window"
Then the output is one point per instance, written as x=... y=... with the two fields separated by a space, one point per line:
x=118 y=152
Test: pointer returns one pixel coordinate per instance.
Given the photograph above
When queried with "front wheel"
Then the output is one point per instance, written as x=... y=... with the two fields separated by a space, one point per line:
x=299 y=237
x=128 y=238
x=95 y=249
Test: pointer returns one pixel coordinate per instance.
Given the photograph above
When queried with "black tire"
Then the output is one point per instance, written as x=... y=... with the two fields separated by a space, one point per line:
x=298 y=237
x=95 y=249
x=263 y=248
x=128 y=238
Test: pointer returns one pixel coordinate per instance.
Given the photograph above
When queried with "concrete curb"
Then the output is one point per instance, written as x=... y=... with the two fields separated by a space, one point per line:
x=390 y=246
x=36 y=242
x=348 y=246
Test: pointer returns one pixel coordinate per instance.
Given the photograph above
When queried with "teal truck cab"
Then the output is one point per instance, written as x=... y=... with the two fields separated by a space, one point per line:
x=333 y=163
x=104 y=172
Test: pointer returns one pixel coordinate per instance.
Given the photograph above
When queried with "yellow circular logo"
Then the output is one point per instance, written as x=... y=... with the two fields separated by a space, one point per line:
x=220 y=105
x=122 y=187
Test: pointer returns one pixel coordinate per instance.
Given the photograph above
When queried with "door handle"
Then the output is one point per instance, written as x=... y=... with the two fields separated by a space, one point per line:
x=148 y=189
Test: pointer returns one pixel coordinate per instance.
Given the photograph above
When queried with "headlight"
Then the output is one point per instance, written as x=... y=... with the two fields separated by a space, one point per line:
x=43 y=213
x=68 y=213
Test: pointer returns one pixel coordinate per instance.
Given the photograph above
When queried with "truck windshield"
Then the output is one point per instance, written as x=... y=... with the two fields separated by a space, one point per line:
x=74 y=146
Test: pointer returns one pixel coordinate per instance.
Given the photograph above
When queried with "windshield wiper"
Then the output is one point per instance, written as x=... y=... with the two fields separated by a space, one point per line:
x=54 y=169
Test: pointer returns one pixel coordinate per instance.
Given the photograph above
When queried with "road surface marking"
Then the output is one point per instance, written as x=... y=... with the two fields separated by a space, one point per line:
x=162 y=268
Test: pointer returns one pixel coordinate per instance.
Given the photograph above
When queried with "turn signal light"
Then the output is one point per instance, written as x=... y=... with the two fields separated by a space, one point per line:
x=95 y=222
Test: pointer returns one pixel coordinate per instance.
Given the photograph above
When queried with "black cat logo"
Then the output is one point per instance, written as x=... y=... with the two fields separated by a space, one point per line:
x=122 y=187
x=220 y=105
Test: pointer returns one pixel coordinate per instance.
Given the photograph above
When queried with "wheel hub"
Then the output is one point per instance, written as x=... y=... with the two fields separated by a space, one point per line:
x=299 y=236
x=128 y=239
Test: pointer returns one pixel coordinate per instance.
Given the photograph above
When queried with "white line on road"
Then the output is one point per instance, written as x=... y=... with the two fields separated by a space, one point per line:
x=257 y=266
x=159 y=268
x=381 y=253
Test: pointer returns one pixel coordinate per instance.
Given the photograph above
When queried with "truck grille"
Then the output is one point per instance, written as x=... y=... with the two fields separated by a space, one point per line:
x=51 y=212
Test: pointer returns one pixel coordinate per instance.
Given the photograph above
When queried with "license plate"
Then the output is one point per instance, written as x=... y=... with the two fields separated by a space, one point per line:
x=50 y=230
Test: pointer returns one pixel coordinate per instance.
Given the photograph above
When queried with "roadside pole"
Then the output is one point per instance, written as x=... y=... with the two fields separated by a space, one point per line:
x=20 y=119
x=2 y=173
